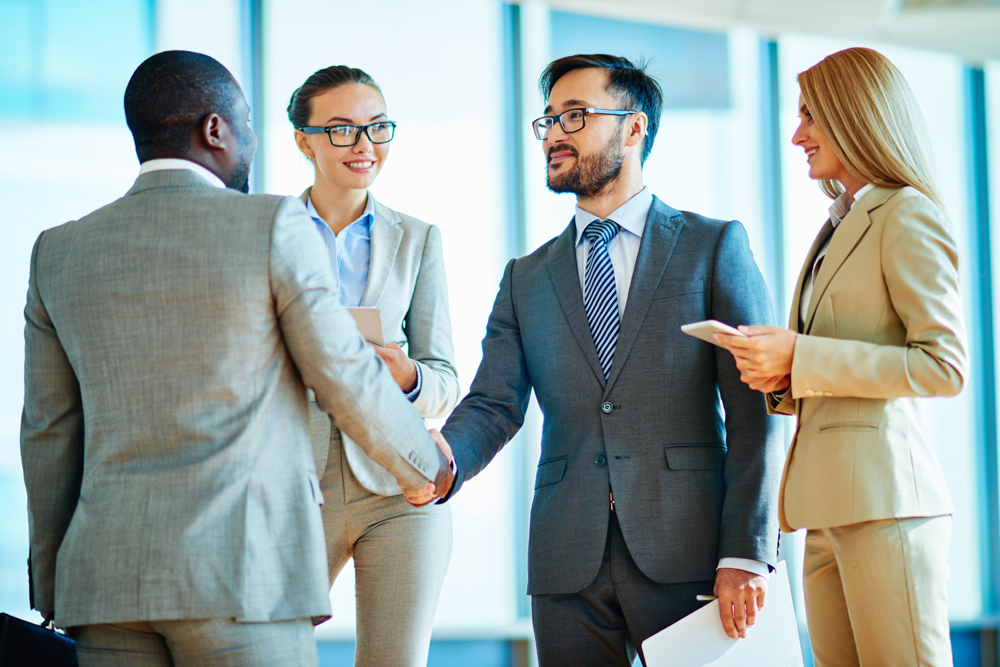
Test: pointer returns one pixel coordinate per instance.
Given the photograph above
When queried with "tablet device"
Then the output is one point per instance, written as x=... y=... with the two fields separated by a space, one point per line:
x=704 y=330
x=369 y=321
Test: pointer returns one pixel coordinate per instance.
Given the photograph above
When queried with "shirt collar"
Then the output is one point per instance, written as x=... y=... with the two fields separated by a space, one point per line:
x=630 y=216
x=161 y=164
x=842 y=205
x=363 y=223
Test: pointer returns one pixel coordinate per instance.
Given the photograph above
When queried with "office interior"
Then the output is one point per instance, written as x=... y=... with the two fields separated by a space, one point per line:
x=460 y=78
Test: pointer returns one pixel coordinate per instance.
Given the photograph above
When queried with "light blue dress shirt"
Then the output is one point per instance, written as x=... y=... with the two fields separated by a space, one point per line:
x=350 y=256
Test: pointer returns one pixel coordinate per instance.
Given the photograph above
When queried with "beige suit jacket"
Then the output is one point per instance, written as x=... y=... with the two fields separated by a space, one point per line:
x=169 y=340
x=407 y=283
x=884 y=329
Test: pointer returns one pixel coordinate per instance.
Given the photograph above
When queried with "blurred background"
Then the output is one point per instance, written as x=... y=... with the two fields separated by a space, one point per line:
x=459 y=76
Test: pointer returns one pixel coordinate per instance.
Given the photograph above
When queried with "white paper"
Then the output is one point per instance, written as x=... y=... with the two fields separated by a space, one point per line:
x=369 y=321
x=699 y=640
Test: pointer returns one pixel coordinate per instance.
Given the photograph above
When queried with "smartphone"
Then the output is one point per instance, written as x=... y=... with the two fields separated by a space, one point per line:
x=704 y=330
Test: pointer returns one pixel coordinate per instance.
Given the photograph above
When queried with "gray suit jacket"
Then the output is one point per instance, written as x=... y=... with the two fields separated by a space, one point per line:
x=169 y=339
x=694 y=479
x=407 y=283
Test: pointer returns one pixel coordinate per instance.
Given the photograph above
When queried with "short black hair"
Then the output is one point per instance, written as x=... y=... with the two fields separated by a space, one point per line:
x=168 y=98
x=627 y=81
x=328 y=78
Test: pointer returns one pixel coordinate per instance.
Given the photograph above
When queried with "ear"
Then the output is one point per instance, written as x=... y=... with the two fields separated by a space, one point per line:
x=635 y=129
x=302 y=141
x=215 y=131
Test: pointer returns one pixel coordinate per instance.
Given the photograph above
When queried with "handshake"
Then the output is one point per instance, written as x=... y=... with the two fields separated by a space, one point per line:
x=429 y=492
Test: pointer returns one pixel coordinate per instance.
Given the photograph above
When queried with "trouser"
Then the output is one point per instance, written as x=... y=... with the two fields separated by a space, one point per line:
x=213 y=642
x=877 y=593
x=605 y=624
x=401 y=555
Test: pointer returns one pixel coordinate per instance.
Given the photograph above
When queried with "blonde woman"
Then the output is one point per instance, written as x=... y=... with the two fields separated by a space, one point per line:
x=394 y=262
x=876 y=326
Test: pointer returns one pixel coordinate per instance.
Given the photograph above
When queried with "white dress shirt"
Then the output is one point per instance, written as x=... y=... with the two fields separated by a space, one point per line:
x=623 y=250
x=160 y=164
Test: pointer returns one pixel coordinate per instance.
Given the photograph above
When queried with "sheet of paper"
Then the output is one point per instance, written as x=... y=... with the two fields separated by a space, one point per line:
x=699 y=640
x=369 y=322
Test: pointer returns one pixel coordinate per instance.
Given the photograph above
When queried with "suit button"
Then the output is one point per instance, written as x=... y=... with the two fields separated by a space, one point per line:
x=810 y=392
x=600 y=460
x=606 y=407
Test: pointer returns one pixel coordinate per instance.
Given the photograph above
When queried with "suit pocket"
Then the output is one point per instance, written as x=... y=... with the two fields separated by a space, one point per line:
x=695 y=457
x=550 y=471
x=850 y=427
x=671 y=290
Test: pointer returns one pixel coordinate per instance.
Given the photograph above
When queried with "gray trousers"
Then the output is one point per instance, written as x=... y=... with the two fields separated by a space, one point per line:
x=401 y=555
x=605 y=624
x=213 y=642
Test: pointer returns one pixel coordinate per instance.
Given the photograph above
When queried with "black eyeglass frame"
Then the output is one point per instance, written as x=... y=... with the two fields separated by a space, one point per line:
x=315 y=129
x=586 y=112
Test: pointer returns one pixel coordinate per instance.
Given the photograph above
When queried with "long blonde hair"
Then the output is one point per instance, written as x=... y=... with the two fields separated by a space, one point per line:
x=870 y=118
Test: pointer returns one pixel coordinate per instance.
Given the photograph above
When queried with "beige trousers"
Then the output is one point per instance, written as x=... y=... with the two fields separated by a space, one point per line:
x=401 y=555
x=212 y=642
x=877 y=593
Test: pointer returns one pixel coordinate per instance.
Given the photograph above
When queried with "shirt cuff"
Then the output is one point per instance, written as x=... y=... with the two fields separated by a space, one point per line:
x=752 y=566
x=413 y=395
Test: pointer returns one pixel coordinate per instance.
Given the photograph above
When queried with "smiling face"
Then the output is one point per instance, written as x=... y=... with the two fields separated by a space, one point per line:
x=824 y=165
x=588 y=161
x=345 y=167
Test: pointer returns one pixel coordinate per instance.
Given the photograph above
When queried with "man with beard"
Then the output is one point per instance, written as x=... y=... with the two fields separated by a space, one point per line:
x=169 y=340
x=649 y=490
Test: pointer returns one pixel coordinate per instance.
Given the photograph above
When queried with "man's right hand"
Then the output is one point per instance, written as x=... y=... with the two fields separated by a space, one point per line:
x=429 y=492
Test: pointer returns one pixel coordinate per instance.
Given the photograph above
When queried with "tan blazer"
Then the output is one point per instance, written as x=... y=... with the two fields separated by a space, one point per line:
x=407 y=283
x=884 y=328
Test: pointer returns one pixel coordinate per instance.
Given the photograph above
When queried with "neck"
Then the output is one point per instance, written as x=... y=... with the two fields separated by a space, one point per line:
x=338 y=207
x=627 y=185
x=851 y=184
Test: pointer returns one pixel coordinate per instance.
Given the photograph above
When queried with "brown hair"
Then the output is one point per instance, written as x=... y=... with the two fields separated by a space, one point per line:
x=300 y=106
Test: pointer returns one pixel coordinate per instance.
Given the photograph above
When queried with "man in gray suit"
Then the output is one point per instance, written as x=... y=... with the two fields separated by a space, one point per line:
x=169 y=341
x=649 y=491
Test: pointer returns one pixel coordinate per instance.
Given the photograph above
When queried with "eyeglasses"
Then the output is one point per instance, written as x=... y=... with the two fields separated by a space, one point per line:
x=348 y=135
x=571 y=120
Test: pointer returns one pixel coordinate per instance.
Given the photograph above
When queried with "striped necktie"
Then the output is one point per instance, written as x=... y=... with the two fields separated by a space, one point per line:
x=600 y=297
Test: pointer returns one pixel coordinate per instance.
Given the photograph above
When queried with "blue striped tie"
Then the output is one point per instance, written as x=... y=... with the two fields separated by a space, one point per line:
x=600 y=298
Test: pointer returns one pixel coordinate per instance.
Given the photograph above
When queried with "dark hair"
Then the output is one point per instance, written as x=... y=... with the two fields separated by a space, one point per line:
x=168 y=98
x=328 y=78
x=627 y=81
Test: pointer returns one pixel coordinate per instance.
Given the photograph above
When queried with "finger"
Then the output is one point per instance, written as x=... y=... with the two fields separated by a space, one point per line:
x=757 y=330
x=740 y=617
x=761 y=594
x=752 y=610
x=726 y=610
x=393 y=346
x=441 y=442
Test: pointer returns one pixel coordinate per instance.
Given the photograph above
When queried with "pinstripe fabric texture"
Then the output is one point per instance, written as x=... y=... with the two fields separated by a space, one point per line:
x=600 y=297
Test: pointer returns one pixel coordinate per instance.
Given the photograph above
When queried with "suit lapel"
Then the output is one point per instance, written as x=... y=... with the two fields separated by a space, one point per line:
x=565 y=278
x=795 y=317
x=386 y=236
x=849 y=233
x=659 y=237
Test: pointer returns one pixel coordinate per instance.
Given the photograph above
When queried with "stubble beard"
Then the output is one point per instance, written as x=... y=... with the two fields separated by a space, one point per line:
x=592 y=175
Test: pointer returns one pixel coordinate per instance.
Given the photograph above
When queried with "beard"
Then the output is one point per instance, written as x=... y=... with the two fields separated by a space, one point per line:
x=592 y=174
x=240 y=179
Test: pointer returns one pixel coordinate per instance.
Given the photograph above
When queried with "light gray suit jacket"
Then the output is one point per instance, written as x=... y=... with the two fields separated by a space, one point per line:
x=407 y=283
x=695 y=479
x=169 y=340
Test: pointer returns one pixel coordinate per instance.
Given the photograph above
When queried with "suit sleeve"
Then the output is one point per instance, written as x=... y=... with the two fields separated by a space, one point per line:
x=920 y=267
x=52 y=436
x=493 y=410
x=428 y=332
x=351 y=383
x=753 y=438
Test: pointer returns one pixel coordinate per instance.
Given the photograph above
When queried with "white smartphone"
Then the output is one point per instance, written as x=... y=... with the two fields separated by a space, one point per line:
x=704 y=330
x=369 y=321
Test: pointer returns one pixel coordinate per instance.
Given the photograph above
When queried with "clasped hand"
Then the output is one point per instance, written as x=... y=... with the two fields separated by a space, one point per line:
x=429 y=492
x=763 y=357
x=402 y=368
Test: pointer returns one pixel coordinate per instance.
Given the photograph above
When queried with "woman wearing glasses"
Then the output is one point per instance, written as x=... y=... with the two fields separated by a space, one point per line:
x=876 y=325
x=391 y=261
